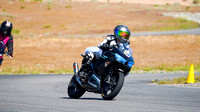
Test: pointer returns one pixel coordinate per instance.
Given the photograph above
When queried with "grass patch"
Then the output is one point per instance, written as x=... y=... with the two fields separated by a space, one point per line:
x=15 y=70
x=180 y=80
x=62 y=25
x=59 y=71
x=22 y=7
x=47 y=26
x=42 y=70
x=6 y=15
x=175 y=24
x=68 y=6
x=32 y=0
x=156 y=5
x=167 y=68
x=36 y=0
x=49 y=7
x=187 y=8
x=15 y=31
x=30 y=70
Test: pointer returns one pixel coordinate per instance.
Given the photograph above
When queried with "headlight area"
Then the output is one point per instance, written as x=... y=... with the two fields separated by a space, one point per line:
x=120 y=59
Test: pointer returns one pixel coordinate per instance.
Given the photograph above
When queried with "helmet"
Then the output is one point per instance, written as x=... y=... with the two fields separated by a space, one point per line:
x=6 y=27
x=122 y=33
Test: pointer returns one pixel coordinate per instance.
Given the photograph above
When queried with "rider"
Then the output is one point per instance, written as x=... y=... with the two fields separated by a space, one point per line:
x=7 y=38
x=121 y=34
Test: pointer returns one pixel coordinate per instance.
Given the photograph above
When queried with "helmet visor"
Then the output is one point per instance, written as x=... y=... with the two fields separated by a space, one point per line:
x=122 y=34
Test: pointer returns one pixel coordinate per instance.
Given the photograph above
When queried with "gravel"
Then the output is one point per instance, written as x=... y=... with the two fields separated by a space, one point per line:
x=186 y=15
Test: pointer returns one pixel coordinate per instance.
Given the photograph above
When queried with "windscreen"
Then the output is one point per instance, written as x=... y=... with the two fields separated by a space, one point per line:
x=125 y=49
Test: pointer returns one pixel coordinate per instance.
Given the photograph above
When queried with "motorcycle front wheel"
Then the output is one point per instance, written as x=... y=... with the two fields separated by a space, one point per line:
x=75 y=90
x=112 y=87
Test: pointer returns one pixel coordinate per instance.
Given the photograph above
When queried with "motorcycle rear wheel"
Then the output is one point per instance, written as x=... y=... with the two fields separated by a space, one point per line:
x=75 y=90
x=108 y=92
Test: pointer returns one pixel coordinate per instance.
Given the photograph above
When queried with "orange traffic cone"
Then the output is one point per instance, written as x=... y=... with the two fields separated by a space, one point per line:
x=191 y=78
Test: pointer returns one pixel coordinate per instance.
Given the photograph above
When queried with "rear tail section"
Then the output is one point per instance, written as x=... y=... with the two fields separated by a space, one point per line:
x=76 y=69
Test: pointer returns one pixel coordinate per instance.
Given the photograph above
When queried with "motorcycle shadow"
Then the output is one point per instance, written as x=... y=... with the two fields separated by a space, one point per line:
x=85 y=98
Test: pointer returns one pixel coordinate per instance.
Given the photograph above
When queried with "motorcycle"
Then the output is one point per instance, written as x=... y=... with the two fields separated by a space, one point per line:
x=106 y=75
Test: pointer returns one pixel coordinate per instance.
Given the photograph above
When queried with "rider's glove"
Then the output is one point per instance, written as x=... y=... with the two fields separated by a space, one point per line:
x=90 y=55
x=107 y=47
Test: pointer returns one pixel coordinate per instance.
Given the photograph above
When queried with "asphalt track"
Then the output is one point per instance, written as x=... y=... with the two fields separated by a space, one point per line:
x=48 y=93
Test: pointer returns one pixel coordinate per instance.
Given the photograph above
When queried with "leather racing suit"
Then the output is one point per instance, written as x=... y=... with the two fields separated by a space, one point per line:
x=8 y=41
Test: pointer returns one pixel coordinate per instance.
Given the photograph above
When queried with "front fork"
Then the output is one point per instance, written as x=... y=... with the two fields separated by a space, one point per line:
x=108 y=79
x=76 y=69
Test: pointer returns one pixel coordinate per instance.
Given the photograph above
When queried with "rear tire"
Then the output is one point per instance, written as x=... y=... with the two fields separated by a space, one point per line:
x=115 y=89
x=75 y=90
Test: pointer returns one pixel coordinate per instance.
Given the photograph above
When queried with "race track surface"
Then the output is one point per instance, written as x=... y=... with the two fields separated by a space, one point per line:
x=48 y=93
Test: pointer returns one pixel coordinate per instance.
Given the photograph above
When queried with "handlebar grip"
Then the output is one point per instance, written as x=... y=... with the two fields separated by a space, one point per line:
x=82 y=55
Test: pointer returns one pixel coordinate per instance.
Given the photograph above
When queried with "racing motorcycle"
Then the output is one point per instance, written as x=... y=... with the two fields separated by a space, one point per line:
x=106 y=75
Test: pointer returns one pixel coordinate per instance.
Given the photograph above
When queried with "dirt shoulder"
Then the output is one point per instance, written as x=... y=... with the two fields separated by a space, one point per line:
x=35 y=20
x=54 y=53
x=72 y=18
x=157 y=2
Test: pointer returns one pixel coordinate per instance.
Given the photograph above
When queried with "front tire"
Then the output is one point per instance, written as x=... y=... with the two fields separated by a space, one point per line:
x=75 y=90
x=108 y=92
